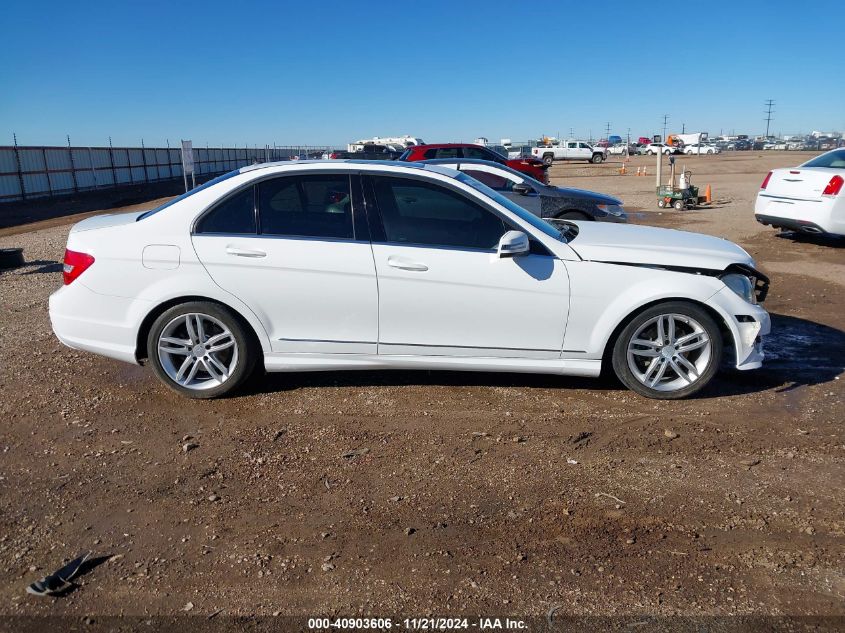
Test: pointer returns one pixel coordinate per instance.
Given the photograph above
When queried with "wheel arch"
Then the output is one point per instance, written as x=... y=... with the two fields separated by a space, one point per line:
x=159 y=309
x=728 y=336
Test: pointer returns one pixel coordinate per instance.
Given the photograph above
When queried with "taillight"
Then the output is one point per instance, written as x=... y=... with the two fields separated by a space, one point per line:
x=75 y=264
x=333 y=155
x=766 y=180
x=834 y=186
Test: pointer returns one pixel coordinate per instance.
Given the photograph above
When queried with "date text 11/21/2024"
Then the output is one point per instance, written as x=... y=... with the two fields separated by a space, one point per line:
x=418 y=624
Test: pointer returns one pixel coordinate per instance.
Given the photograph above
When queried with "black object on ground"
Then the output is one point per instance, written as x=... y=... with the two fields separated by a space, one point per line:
x=59 y=581
x=11 y=258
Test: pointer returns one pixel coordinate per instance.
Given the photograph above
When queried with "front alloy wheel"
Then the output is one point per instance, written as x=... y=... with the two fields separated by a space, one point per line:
x=668 y=351
x=200 y=350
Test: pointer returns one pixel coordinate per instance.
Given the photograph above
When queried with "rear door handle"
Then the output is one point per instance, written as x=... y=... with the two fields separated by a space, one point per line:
x=244 y=252
x=405 y=264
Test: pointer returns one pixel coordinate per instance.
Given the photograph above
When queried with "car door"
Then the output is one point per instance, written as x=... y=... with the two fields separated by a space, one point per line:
x=571 y=150
x=442 y=288
x=291 y=249
x=585 y=152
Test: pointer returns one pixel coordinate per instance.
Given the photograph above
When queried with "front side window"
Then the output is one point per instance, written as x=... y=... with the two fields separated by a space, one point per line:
x=571 y=145
x=415 y=212
x=445 y=152
x=233 y=216
x=306 y=206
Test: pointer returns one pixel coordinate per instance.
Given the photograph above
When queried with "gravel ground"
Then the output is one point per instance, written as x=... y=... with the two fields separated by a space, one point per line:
x=433 y=492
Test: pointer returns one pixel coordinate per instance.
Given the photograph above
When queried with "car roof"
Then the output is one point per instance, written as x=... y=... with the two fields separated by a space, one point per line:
x=442 y=145
x=338 y=164
x=465 y=161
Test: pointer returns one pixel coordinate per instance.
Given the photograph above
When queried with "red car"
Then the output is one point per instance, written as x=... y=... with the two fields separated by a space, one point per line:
x=529 y=166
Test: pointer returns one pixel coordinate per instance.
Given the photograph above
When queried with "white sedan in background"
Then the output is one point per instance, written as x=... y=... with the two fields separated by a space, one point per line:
x=808 y=199
x=338 y=265
x=702 y=148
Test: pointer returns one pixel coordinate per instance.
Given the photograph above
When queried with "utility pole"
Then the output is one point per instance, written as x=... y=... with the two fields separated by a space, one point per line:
x=683 y=128
x=665 y=125
x=769 y=103
x=607 y=131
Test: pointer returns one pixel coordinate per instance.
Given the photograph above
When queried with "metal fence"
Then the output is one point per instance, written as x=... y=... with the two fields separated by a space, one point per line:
x=28 y=172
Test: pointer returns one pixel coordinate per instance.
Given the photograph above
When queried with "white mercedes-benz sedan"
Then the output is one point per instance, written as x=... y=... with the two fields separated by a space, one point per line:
x=807 y=199
x=336 y=265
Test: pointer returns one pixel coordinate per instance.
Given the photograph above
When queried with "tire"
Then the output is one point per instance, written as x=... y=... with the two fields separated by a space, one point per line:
x=548 y=159
x=690 y=322
x=650 y=152
x=679 y=205
x=597 y=158
x=213 y=374
x=11 y=258
x=575 y=215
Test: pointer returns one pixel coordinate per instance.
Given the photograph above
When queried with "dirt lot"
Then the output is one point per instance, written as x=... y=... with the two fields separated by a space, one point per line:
x=415 y=493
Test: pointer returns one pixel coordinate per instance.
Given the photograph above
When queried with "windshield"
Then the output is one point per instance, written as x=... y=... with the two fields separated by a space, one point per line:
x=187 y=194
x=514 y=208
x=834 y=160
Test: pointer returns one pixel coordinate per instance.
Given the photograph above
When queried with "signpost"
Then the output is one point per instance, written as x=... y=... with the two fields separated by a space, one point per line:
x=188 y=164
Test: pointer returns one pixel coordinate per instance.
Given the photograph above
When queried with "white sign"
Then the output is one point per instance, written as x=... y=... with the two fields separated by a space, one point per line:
x=187 y=157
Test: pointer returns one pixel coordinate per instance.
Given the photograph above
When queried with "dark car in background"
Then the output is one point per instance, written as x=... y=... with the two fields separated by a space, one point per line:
x=530 y=166
x=545 y=201
x=369 y=152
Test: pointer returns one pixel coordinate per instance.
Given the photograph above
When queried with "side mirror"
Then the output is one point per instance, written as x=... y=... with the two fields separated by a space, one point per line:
x=513 y=243
x=522 y=189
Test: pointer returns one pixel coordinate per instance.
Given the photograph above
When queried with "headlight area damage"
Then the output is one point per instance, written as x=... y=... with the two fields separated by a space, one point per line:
x=746 y=281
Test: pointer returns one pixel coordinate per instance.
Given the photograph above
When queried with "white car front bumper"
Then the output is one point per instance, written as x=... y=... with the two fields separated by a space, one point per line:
x=748 y=324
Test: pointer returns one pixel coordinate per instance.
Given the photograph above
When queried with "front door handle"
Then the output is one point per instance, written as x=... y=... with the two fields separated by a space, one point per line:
x=244 y=252
x=405 y=264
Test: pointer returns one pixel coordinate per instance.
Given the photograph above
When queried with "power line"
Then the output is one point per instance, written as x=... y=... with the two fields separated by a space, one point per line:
x=769 y=103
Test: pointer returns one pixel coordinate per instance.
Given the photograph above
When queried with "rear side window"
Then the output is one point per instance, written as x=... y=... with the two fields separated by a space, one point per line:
x=477 y=152
x=235 y=215
x=835 y=160
x=442 y=152
x=306 y=206
x=415 y=212
x=494 y=181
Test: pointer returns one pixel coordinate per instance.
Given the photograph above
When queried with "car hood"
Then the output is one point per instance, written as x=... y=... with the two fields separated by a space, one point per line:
x=631 y=244
x=104 y=221
x=569 y=192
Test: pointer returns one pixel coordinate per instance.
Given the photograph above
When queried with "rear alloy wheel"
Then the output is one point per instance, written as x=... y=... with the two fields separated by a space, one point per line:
x=668 y=351
x=201 y=350
x=597 y=158
x=650 y=152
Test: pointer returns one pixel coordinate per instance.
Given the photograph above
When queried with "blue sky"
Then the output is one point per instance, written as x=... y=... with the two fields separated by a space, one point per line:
x=329 y=72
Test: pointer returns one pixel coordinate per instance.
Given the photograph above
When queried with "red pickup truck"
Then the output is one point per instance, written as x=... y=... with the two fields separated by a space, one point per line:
x=529 y=166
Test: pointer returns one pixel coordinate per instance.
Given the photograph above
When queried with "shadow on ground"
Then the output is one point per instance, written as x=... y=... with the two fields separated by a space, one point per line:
x=830 y=241
x=799 y=352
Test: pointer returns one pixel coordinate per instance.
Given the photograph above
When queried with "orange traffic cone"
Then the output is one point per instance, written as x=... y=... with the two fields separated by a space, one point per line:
x=708 y=195
x=622 y=170
x=638 y=171
x=645 y=173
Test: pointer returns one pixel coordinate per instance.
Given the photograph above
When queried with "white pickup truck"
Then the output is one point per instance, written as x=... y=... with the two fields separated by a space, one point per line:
x=570 y=150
